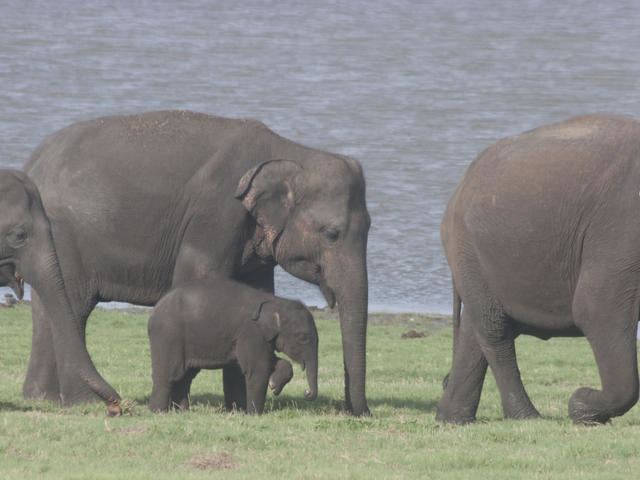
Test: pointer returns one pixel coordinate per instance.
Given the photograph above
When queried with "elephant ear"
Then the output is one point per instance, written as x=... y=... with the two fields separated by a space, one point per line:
x=269 y=323
x=267 y=192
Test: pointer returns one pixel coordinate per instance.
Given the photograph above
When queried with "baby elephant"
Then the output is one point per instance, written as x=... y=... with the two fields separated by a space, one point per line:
x=224 y=324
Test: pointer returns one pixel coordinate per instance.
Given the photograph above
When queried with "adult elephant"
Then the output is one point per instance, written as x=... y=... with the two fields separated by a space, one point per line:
x=141 y=203
x=27 y=251
x=543 y=238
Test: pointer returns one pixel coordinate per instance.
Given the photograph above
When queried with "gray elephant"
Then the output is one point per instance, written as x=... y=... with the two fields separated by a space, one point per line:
x=143 y=203
x=225 y=324
x=542 y=239
x=281 y=375
x=27 y=252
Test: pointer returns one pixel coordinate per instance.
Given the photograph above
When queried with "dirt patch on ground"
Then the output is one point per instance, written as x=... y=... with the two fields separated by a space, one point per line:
x=413 y=334
x=213 y=461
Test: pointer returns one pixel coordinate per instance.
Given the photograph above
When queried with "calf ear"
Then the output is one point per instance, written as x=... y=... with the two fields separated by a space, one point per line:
x=267 y=192
x=269 y=325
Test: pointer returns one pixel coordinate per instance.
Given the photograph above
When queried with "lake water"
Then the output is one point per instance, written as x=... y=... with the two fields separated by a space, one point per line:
x=414 y=90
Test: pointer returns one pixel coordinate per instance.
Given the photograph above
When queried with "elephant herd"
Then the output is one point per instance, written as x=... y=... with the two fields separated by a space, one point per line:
x=191 y=213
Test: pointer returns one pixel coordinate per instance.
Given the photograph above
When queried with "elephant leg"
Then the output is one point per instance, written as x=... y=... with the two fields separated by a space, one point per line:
x=610 y=328
x=235 y=393
x=182 y=388
x=497 y=339
x=168 y=386
x=42 y=376
x=257 y=391
x=160 y=399
x=235 y=390
x=463 y=388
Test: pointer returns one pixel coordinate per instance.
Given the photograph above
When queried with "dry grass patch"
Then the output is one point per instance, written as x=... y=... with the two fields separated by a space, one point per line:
x=213 y=461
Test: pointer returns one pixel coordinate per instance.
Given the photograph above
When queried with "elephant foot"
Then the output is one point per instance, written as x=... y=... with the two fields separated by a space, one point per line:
x=34 y=390
x=41 y=384
x=457 y=416
x=583 y=407
x=359 y=412
x=522 y=412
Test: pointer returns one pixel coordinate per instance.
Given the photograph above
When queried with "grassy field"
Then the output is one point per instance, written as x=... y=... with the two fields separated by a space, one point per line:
x=298 y=439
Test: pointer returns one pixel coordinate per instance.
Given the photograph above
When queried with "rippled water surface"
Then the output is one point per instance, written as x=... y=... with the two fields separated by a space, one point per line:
x=414 y=90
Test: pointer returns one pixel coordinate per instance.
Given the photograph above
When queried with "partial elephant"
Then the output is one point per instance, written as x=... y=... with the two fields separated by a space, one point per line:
x=27 y=252
x=543 y=238
x=143 y=203
x=215 y=324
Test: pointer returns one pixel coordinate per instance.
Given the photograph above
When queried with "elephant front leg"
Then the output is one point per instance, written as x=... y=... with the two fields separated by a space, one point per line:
x=160 y=396
x=182 y=388
x=257 y=383
x=463 y=387
x=610 y=328
x=235 y=390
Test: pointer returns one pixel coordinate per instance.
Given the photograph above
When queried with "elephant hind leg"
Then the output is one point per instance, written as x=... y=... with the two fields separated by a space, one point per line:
x=463 y=388
x=610 y=329
x=496 y=337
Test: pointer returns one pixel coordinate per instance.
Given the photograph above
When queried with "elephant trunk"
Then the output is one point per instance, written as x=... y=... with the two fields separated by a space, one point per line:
x=348 y=279
x=42 y=270
x=311 y=366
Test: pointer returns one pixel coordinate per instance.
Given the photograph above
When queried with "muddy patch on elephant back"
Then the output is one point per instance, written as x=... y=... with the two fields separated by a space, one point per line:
x=213 y=461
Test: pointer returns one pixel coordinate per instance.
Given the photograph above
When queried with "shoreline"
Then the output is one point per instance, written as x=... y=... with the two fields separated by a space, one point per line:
x=382 y=308
x=431 y=320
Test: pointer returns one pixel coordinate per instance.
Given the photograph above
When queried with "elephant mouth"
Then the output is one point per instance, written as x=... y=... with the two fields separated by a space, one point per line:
x=327 y=292
x=11 y=278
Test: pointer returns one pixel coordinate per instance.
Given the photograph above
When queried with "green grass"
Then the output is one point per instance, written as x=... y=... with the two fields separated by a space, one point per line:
x=298 y=439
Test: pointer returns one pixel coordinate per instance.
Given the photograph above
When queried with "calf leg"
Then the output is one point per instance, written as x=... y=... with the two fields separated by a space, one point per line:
x=257 y=383
x=181 y=389
x=235 y=390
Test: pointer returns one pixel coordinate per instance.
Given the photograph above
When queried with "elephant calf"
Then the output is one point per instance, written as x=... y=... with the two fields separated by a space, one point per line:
x=223 y=324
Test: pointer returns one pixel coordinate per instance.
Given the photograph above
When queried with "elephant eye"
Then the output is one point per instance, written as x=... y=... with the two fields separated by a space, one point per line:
x=17 y=237
x=303 y=338
x=331 y=233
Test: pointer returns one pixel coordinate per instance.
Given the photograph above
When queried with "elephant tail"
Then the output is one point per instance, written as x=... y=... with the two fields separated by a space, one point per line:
x=457 y=307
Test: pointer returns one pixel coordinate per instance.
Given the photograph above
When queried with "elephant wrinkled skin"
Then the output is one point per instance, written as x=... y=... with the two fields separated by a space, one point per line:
x=143 y=203
x=542 y=237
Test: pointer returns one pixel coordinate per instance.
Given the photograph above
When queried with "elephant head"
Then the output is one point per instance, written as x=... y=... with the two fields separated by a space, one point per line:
x=290 y=326
x=314 y=222
x=27 y=251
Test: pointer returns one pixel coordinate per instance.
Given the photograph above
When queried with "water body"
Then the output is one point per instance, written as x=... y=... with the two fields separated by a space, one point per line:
x=414 y=90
